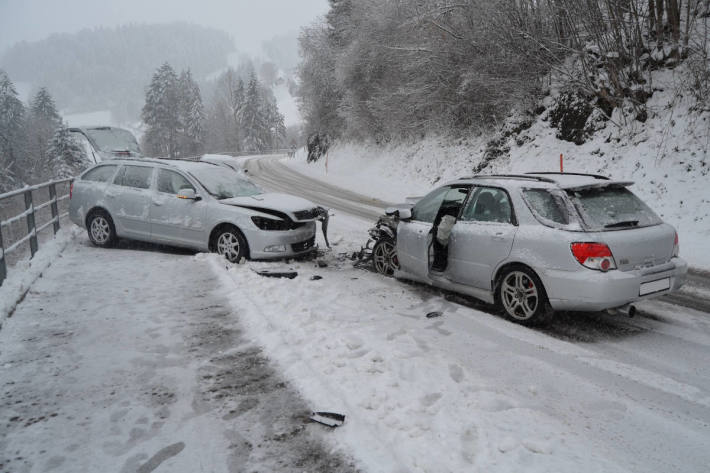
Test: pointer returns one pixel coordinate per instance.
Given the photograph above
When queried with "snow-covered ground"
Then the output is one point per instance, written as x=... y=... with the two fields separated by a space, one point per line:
x=470 y=391
x=127 y=360
x=22 y=275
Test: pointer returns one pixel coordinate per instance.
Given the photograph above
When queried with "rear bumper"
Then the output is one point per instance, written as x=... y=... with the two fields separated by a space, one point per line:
x=294 y=242
x=589 y=290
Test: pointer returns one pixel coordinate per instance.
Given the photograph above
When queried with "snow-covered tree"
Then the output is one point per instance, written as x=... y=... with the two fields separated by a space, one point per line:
x=192 y=116
x=67 y=157
x=42 y=121
x=161 y=113
x=12 y=113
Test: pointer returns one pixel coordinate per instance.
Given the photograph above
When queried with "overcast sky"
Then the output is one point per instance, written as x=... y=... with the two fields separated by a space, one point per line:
x=248 y=21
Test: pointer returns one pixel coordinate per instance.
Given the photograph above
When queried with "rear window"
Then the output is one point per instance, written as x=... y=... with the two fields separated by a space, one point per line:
x=114 y=139
x=612 y=208
x=100 y=174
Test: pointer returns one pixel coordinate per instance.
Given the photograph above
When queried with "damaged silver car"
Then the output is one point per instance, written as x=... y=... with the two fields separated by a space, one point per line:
x=533 y=244
x=191 y=204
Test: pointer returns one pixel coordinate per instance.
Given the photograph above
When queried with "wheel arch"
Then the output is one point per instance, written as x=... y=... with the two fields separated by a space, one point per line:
x=498 y=276
x=222 y=225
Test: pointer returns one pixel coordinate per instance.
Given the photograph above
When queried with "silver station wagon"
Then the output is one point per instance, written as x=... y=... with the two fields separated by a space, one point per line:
x=192 y=204
x=534 y=244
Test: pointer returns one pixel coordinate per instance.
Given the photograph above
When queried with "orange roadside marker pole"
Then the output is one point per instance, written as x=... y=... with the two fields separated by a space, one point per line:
x=561 y=168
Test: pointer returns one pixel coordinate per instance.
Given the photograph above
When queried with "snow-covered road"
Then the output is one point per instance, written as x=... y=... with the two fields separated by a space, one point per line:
x=131 y=360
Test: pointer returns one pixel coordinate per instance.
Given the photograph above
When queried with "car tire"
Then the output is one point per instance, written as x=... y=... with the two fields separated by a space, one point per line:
x=230 y=243
x=102 y=232
x=522 y=297
x=384 y=257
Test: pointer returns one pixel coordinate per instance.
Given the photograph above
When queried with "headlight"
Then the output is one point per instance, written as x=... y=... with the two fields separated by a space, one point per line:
x=271 y=224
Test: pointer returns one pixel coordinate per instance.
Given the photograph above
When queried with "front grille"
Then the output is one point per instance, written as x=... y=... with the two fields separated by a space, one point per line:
x=304 y=245
x=306 y=214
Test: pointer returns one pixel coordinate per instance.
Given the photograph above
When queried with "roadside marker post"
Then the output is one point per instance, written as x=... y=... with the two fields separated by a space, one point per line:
x=561 y=168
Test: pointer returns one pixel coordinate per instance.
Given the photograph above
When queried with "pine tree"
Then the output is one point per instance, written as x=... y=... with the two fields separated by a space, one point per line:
x=67 y=157
x=12 y=114
x=42 y=121
x=253 y=119
x=161 y=113
x=191 y=116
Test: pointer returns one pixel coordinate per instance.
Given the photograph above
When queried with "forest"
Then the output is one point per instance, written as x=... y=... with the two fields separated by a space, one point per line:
x=389 y=70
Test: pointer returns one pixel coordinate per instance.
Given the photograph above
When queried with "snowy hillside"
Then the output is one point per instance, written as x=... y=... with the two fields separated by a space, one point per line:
x=667 y=157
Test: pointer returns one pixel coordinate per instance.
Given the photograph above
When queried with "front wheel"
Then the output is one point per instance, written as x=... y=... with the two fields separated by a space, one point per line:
x=230 y=243
x=384 y=257
x=521 y=295
x=101 y=230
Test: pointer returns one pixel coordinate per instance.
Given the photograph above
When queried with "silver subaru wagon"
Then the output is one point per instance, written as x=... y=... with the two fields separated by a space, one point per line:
x=192 y=204
x=533 y=244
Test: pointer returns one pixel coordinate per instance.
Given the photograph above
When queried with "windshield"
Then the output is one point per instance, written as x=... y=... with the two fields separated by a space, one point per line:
x=113 y=139
x=612 y=208
x=223 y=183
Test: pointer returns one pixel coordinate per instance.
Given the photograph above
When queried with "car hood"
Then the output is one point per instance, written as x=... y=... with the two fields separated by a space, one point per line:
x=270 y=202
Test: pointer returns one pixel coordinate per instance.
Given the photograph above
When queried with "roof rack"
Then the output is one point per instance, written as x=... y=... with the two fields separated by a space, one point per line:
x=511 y=176
x=596 y=176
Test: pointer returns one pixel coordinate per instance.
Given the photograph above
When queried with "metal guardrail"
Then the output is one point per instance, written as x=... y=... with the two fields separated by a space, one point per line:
x=29 y=216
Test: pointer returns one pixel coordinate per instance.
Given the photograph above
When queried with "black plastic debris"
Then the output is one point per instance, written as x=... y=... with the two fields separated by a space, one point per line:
x=331 y=419
x=436 y=313
x=315 y=277
x=276 y=273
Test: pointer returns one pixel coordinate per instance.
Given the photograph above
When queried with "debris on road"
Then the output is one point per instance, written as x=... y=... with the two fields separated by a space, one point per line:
x=315 y=277
x=436 y=313
x=331 y=419
x=276 y=273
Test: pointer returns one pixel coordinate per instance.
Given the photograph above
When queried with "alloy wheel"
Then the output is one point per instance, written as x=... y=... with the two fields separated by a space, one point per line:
x=100 y=230
x=519 y=295
x=228 y=246
x=384 y=257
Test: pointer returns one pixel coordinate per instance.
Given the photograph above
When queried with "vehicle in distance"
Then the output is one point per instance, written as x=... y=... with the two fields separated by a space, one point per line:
x=106 y=142
x=534 y=244
x=190 y=204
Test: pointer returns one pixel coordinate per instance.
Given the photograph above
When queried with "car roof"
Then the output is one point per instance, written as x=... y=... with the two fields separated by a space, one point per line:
x=561 y=180
x=182 y=164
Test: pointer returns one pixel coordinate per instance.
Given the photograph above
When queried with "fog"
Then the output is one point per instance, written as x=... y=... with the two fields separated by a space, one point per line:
x=248 y=22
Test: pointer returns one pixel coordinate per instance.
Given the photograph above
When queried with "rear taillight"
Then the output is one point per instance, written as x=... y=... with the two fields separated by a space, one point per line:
x=676 y=247
x=71 y=189
x=594 y=256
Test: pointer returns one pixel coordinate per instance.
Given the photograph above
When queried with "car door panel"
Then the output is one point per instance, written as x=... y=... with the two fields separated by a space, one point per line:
x=175 y=220
x=482 y=237
x=128 y=204
x=412 y=247
x=476 y=249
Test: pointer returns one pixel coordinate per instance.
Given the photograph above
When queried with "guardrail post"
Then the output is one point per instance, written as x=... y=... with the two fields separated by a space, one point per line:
x=31 y=223
x=55 y=208
x=3 y=266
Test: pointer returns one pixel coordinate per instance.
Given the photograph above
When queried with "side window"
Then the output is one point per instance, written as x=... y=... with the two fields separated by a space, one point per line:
x=171 y=182
x=134 y=176
x=488 y=204
x=99 y=174
x=426 y=209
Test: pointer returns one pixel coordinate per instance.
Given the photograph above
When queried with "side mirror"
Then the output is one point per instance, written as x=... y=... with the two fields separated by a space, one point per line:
x=188 y=194
x=404 y=214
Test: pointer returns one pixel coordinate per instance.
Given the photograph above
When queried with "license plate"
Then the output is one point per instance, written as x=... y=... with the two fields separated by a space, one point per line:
x=655 y=286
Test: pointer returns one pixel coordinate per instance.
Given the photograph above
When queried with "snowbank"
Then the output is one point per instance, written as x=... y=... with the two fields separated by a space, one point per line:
x=24 y=273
